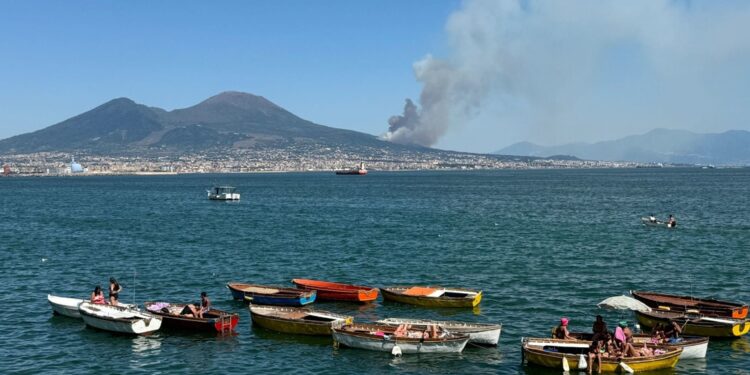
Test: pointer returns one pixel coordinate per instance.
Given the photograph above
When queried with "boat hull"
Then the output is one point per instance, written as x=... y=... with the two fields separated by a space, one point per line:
x=696 y=326
x=281 y=300
x=431 y=301
x=213 y=321
x=330 y=291
x=65 y=306
x=120 y=320
x=708 y=307
x=387 y=343
x=479 y=333
x=297 y=327
x=534 y=353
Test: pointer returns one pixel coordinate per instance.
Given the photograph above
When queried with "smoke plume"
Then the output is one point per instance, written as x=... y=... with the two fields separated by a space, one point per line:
x=587 y=67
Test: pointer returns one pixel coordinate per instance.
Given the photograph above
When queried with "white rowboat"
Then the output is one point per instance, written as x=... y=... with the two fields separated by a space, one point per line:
x=118 y=318
x=64 y=306
x=479 y=333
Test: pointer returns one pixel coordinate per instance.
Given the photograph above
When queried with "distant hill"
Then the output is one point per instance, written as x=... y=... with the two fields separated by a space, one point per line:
x=230 y=119
x=659 y=145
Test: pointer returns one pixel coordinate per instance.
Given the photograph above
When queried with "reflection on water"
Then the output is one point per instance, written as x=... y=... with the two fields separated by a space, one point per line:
x=741 y=345
x=145 y=346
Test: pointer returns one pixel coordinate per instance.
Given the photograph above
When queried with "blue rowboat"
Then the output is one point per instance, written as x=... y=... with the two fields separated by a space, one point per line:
x=269 y=295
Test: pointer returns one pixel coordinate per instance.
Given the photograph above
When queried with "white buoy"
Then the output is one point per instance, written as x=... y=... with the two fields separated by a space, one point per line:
x=396 y=351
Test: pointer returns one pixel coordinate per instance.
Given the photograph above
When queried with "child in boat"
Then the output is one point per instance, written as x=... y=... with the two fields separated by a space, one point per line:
x=97 y=297
x=114 y=291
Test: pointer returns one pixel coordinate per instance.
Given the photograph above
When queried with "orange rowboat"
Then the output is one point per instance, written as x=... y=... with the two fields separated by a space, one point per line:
x=338 y=291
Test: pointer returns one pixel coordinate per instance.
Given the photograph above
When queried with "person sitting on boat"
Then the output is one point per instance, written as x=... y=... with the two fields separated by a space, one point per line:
x=596 y=350
x=114 y=291
x=401 y=330
x=599 y=329
x=657 y=334
x=198 y=310
x=671 y=222
x=97 y=297
x=624 y=339
x=561 y=332
x=674 y=331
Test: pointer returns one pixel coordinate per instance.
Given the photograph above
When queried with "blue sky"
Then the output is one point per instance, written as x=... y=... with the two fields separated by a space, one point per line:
x=498 y=71
x=339 y=63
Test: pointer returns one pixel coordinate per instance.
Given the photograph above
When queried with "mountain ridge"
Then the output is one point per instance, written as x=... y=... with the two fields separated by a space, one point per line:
x=660 y=145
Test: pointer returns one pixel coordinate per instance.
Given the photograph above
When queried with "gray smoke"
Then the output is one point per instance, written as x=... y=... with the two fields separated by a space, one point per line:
x=563 y=67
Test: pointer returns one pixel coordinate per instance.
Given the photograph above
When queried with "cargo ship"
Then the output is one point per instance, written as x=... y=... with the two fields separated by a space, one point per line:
x=359 y=170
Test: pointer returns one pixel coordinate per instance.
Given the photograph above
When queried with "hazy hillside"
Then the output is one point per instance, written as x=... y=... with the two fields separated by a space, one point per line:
x=659 y=145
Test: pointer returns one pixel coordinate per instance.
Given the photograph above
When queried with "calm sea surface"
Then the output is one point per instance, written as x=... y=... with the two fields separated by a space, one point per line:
x=541 y=244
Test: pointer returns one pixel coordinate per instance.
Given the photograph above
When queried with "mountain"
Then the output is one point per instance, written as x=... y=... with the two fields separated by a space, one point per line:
x=230 y=119
x=659 y=145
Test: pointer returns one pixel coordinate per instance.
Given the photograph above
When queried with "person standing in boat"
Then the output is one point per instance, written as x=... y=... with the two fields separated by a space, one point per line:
x=671 y=222
x=114 y=291
x=97 y=297
x=599 y=329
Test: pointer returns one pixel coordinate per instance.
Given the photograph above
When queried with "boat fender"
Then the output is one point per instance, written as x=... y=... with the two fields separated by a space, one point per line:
x=396 y=351
x=582 y=365
x=626 y=368
x=565 y=365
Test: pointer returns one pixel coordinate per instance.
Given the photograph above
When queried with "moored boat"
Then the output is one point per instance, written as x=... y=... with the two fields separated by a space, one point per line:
x=559 y=353
x=223 y=193
x=479 y=333
x=118 y=319
x=695 y=325
x=269 y=295
x=358 y=171
x=65 y=306
x=433 y=296
x=173 y=318
x=692 y=346
x=382 y=338
x=338 y=291
x=297 y=320
x=704 y=306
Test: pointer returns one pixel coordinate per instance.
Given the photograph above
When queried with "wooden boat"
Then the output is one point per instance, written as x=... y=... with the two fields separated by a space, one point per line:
x=695 y=325
x=479 y=333
x=554 y=353
x=269 y=295
x=172 y=318
x=381 y=338
x=433 y=296
x=337 y=291
x=65 y=306
x=692 y=346
x=297 y=320
x=704 y=306
x=118 y=319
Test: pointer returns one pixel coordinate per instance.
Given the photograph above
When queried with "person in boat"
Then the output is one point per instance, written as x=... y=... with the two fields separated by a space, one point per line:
x=599 y=329
x=624 y=339
x=596 y=350
x=114 y=291
x=561 y=332
x=657 y=334
x=97 y=297
x=674 y=331
x=197 y=310
x=671 y=222
x=401 y=331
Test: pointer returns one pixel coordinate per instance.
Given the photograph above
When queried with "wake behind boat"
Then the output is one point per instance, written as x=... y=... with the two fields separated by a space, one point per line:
x=118 y=319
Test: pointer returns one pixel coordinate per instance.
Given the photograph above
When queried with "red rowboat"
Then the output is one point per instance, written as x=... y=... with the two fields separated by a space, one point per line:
x=705 y=306
x=338 y=291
